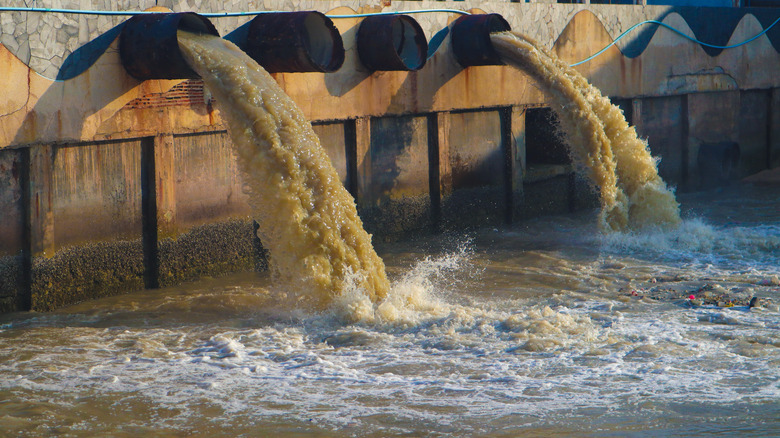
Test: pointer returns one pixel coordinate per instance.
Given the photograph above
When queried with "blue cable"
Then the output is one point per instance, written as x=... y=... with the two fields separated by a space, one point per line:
x=219 y=14
x=416 y=11
x=678 y=33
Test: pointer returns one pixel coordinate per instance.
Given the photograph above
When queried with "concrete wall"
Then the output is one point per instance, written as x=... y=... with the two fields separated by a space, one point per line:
x=108 y=184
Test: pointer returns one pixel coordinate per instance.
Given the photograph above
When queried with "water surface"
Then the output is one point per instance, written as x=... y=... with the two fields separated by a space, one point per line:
x=546 y=328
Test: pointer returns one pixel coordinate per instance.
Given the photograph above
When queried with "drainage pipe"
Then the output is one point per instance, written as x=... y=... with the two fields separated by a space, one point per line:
x=149 y=45
x=470 y=39
x=294 y=42
x=391 y=43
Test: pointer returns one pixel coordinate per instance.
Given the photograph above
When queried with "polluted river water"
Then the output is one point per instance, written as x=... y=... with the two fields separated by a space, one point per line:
x=549 y=327
x=545 y=328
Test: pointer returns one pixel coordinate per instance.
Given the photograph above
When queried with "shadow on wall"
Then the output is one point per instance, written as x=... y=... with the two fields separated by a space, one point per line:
x=710 y=25
x=85 y=56
x=91 y=79
x=354 y=74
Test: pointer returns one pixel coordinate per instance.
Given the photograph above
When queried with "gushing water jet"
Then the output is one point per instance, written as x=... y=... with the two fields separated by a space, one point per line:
x=307 y=219
x=633 y=195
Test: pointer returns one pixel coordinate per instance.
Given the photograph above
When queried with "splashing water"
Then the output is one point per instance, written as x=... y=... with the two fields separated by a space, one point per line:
x=307 y=219
x=600 y=140
x=547 y=328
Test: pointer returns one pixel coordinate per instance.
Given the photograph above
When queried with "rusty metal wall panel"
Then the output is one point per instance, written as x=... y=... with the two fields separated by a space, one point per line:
x=208 y=185
x=398 y=201
x=96 y=192
x=333 y=139
x=477 y=161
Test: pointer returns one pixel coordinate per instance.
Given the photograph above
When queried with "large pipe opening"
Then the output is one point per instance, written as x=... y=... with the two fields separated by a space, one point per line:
x=294 y=42
x=391 y=43
x=470 y=38
x=149 y=47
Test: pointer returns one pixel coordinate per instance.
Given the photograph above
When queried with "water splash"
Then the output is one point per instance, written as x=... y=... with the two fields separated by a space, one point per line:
x=414 y=296
x=633 y=195
x=308 y=221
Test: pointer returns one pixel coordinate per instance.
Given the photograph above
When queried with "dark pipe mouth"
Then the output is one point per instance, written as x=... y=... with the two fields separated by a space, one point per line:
x=320 y=42
x=294 y=42
x=192 y=22
x=149 y=44
x=470 y=39
x=391 y=43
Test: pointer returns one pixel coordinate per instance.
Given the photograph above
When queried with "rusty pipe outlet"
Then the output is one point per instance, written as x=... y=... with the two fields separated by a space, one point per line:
x=149 y=46
x=470 y=39
x=294 y=42
x=391 y=43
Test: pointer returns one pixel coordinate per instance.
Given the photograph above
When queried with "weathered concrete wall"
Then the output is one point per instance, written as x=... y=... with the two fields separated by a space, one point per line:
x=109 y=184
x=663 y=121
x=203 y=225
x=394 y=192
x=84 y=208
x=13 y=229
x=753 y=127
x=773 y=138
x=474 y=177
x=38 y=110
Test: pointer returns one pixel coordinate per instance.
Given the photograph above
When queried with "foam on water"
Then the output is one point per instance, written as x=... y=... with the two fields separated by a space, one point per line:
x=697 y=243
x=453 y=370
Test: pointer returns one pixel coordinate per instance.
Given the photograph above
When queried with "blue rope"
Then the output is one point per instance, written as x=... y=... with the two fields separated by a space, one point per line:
x=416 y=11
x=678 y=33
x=219 y=14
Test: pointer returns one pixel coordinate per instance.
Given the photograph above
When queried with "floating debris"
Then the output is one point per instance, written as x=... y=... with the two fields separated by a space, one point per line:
x=706 y=295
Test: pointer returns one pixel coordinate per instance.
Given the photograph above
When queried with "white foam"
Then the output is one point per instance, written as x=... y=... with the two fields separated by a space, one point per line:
x=447 y=352
x=697 y=243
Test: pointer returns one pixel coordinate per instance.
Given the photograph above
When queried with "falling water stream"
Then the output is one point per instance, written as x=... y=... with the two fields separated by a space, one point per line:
x=600 y=139
x=307 y=219
x=550 y=327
